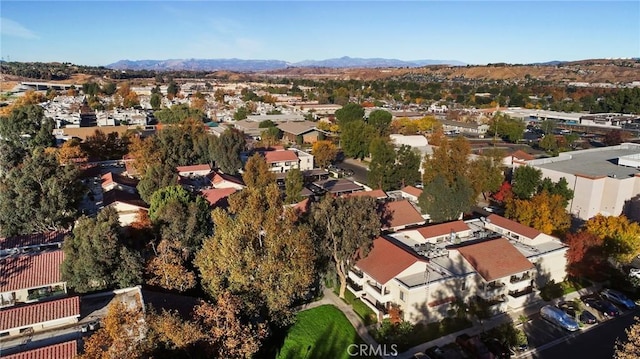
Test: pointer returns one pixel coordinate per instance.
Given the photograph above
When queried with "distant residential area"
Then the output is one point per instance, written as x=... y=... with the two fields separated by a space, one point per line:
x=256 y=215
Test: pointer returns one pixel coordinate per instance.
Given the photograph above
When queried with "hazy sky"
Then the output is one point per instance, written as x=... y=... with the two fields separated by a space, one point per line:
x=476 y=32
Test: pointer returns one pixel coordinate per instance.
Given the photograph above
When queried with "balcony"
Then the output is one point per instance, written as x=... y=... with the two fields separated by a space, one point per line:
x=376 y=292
x=45 y=292
x=378 y=289
x=522 y=278
x=357 y=273
x=354 y=287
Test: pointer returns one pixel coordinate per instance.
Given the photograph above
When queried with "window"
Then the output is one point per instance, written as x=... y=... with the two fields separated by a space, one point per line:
x=402 y=296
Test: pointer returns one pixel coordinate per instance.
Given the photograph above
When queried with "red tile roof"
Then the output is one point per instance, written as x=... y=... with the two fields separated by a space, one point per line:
x=280 y=156
x=400 y=213
x=194 y=168
x=385 y=260
x=442 y=229
x=214 y=195
x=412 y=191
x=66 y=350
x=32 y=239
x=116 y=195
x=302 y=206
x=110 y=177
x=29 y=271
x=514 y=227
x=521 y=155
x=376 y=193
x=495 y=259
x=217 y=178
x=25 y=315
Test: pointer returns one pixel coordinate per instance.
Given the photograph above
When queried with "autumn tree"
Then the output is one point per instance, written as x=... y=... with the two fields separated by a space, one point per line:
x=629 y=348
x=105 y=146
x=450 y=160
x=71 y=152
x=256 y=172
x=585 y=254
x=258 y=253
x=173 y=333
x=486 y=175
x=544 y=211
x=227 y=331
x=324 y=152
x=168 y=267
x=560 y=188
x=445 y=201
x=525 y=182
x=615 y=137
x=621 y=237
x=39 y=195
x=95 y=257
x=293 y=185
x=120 y=335
x=227 y=151
x=344 y=227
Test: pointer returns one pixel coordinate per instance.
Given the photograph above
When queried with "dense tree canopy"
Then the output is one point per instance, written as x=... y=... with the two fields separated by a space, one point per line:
x=621 y=237
x=356 y=138
x=544 y=211
x=96 y=258
x=350 y=112
x=445 y=201
x=324 y=152
x=380 y=120
x=227 y=151
x=178 y=113
x=526 y=180
x=382 y=167
x=506 y=127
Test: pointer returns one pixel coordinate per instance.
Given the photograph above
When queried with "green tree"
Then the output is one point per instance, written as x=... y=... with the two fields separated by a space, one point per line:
x=486 y=175
x=172 y=89
x=382 y=167
x=109 y=88
x=258 y=253
x=380 y=120
x=356 y=138
x=549 y=143
x=241 y=113
x=227 y=151
x=526 y=180
x=95 y=257
x=450 y=160
x=26 y=128
x=350 y=112
x=38 y=195
x=407 y=167
x=156 y=101
x=445 y=202
x=344 y=227
x=506 y=127
x=156 y=177
x=293 y=184
x=256 y=172
x=560 y=188
x=178 y=113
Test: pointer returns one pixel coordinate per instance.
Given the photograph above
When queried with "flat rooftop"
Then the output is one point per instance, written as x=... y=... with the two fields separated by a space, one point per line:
x=596 y=163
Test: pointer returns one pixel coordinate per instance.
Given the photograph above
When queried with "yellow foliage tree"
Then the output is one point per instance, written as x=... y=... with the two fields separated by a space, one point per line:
x=324 y=152
x=543 y=212
x=621 y=236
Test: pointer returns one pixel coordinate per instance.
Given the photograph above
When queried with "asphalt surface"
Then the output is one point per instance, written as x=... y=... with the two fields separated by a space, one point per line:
x=359 y=169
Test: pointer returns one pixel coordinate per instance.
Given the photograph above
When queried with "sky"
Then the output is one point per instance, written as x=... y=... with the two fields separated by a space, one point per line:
x=474 y=32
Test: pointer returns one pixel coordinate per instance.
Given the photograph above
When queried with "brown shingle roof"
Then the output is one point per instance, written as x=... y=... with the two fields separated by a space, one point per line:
x=514 y=227
x=32 y=239
x=412 y=191
x=442 y=229
x=117 y=195
x=521 y=155
x=16 y=317
x=385 y=260
x=400 y=213
x=218 y=178
x=194 y=168
x=495 y=259
x=66 y=350
x=28 y=271
x=376 y=193
x=280 y=156
x=297 y=127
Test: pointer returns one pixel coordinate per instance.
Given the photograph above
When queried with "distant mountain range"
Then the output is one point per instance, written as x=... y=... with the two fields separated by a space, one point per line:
x=265 y=65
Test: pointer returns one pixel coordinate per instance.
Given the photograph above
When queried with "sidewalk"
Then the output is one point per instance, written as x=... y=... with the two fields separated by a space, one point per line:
x=497 y=320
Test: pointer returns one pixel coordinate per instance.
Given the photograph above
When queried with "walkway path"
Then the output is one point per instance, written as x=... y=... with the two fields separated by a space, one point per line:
x=331 y=298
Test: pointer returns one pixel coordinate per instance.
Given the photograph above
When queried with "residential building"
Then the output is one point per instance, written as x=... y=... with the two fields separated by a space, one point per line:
x=29 y=278
x=39 y=317
x=516 y=159
x=29 y=243
x=305 y=131
x=337 y=186
x=377 y=194
x=112 y=181
x=217 y=197
x=194 y=170
x=66 y=350
x=424 y=270
x=223 y=180
x=281 y=161
x=603 y=179
x=126 y=204
x=464 y=127
x=411 y=193
x=397 y=215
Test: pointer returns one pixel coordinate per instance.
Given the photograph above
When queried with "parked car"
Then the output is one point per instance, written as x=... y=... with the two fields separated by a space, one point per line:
x=606 y=308
x=435 y=352
x=493 y=209
x=500 y=350
x=559 y=318
x=587 y=318
x=568 y=308
x=474 y=346
x=617 y=298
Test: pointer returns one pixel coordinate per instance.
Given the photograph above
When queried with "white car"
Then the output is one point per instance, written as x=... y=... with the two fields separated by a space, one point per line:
x=634 y=272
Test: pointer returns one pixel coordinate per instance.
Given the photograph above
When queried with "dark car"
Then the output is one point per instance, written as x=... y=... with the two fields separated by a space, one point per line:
x=587 y=318
x=568 y=308
x=474 y=346
x=606 y=308
x=435 y=352
x=500 y=350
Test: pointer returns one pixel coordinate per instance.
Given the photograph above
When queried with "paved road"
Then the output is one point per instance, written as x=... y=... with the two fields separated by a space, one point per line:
x=359 y=169
x=597 y=342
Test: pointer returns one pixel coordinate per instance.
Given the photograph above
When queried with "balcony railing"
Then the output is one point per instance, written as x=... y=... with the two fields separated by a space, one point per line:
x=378 y=289
x=357 y=273
x=522 y=278
x=521 y=292
x=45 y=292
x=494 y=285
x=355 y=286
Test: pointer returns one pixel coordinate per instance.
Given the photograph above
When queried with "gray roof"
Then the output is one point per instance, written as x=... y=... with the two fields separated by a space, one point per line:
x=595 y=162
x=297 y=127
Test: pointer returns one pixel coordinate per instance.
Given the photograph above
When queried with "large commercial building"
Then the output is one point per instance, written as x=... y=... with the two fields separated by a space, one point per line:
x=603 y=179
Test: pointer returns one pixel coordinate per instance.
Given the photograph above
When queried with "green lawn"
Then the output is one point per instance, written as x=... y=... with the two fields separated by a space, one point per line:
x=557 y=290
x=322 y=332
x=363 y=311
